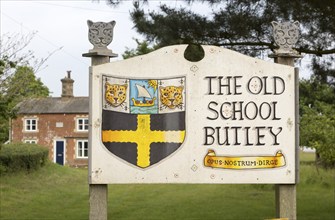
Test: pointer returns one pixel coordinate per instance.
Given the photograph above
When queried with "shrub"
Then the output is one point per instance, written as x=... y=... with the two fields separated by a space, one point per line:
x=22 y=157
x=317 y=131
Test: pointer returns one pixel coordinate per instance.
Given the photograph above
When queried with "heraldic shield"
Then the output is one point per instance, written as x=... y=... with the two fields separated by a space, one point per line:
x=143 y=120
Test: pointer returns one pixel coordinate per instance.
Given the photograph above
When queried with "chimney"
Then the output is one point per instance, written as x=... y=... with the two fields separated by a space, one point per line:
x=67 y=85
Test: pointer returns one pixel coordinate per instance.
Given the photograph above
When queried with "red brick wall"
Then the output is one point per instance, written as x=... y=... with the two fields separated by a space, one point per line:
x=47 y=133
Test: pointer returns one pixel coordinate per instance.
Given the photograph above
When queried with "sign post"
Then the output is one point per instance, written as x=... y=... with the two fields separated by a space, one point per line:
x=100 y=54
x=160 y=118
x=285 y=194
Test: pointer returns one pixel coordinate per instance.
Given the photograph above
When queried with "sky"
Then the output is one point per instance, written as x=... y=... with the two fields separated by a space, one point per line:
x=61 y=30
x=63 y=24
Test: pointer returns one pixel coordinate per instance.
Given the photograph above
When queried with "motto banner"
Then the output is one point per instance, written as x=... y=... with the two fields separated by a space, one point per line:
x=159 y=118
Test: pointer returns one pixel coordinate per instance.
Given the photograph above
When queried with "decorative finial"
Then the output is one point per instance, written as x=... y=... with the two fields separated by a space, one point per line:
x=100 y=34
x=286 y=35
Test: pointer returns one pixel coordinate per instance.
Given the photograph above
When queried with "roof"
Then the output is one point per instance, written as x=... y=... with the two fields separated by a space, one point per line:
x=51 y=105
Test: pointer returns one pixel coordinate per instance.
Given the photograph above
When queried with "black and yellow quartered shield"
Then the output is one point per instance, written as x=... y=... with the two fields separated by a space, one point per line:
x=143 y=120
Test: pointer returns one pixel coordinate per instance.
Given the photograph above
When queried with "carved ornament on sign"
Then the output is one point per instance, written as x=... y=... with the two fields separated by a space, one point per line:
x=286 y=35
x=100 y=34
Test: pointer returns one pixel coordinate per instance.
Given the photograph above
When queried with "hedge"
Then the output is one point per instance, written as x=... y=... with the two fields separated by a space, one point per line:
x=22 y=157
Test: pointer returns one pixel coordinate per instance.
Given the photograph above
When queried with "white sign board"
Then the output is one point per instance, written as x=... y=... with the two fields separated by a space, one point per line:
x=160 y=118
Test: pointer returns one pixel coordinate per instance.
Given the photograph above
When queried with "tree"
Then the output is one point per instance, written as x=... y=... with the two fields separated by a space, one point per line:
x=241 y=25
x=142 y=48
x=317 y=120
x=23 y=84
x=17 y=77
x=238 y=23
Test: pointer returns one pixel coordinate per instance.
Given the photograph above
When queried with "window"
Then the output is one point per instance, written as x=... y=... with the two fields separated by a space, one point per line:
x=30 y=124
x=82 y=124
x=30 y=141
x=82 y=149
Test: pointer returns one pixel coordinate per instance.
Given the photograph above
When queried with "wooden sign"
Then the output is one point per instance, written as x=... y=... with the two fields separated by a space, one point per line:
x=160 y=118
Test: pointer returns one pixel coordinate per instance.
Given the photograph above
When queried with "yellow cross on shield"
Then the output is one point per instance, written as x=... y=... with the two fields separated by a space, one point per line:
x=143 y=137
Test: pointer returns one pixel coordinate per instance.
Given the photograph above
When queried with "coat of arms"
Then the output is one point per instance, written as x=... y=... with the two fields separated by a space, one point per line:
x=143 y=120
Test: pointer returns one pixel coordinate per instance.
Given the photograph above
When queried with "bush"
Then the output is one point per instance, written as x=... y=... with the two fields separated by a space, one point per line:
x=317 y=131
x=22 y=157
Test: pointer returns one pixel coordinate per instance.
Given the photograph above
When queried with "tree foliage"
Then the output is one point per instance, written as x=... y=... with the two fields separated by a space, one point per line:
x=242 y=25
x=17 y=77
x=21 y=85
x=142 y=48
x=317 y=119
x=24 y=84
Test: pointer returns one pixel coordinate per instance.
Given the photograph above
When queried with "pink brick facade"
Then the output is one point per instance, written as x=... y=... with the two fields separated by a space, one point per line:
x=51 y=128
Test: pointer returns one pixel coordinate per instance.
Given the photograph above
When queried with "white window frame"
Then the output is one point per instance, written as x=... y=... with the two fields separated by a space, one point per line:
x=30 y=141
x=29 y=127
x=81 y=126
x=80 y=149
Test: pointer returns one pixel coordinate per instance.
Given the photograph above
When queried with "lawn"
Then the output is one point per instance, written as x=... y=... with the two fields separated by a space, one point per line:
x=57 y=192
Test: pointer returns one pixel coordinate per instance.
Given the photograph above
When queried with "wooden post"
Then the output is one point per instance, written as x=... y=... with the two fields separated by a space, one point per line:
x=286 y=194
x=100 y=54
x=98 y=193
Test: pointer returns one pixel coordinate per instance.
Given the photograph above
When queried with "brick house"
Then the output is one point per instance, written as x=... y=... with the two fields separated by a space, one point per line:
x=60 y=123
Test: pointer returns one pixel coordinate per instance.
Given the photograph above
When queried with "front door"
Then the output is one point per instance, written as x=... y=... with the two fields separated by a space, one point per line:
x=60 y=152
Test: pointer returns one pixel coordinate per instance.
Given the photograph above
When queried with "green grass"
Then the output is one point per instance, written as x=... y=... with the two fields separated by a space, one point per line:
x=56 y=192
x=52 y=192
